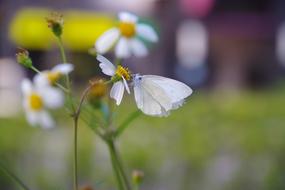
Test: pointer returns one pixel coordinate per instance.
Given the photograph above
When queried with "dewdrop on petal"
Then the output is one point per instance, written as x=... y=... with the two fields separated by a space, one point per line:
x=125 y=37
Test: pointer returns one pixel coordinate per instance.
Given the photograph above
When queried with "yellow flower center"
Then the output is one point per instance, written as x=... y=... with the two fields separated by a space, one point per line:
x=98 y=90
x=123 y=72
x=35 y=102
x=53 y=77
x=127 y=29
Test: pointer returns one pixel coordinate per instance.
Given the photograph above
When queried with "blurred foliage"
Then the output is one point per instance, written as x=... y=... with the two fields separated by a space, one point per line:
x=215 y=141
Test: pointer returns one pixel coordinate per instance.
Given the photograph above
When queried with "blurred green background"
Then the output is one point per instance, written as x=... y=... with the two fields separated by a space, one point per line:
x=234 y=142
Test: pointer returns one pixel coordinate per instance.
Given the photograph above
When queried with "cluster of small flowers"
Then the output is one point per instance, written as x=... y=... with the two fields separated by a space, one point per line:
x=154 y=95
x=42 y=94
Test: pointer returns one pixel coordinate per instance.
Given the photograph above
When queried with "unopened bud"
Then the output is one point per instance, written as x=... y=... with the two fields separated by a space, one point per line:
x=137 y=177
x=23 y=58
x=55 y=23
x=97 y=92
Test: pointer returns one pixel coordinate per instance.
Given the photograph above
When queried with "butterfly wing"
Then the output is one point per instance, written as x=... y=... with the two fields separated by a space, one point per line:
x=146 y=103
x=171 y=89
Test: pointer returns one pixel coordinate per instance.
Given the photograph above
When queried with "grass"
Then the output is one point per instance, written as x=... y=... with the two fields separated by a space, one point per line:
x=215 y=141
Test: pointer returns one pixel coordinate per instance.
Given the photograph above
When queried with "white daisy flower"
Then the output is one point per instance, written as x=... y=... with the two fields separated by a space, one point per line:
x=37 y=99
x=50 y=77
x=119 y=75
x=124 y=37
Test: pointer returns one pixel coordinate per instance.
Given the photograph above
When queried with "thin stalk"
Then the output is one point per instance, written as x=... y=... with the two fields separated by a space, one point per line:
x=75 y=116
x=126 y=123
x=57 y=84
x=13 y=177
x=63 y=56
x=115 y=168
x=120 y=165
x=75 y=166
x=64 y=60
x=75 y=119
x=67 y=80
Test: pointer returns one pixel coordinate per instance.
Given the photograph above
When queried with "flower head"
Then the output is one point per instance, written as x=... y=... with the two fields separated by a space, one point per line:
x=98 y=89
x=39 y=98
x=23 y=58
x=97 y=92
x=125 y=37
x=137 y=176
x=55 y=23
x=119 y=75
x=50 y=77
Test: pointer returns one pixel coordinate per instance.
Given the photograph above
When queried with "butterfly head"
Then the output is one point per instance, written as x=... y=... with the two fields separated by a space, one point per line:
x=137 y=78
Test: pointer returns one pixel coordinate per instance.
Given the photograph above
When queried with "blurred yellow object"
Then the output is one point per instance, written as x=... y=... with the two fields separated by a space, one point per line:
x=81 y=29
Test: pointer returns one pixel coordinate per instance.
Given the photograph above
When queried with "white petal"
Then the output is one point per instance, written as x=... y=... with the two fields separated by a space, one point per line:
x=117 y=92
x=126 y=85
x=32 y=117
x=26 y=86
x=122 y=48
x=52 y=97
x=41 y=79
x=127 y=17
x=138 y=48
x=107 y=67
x=63 y=68
x=45 y=120
x=147 y=32
x=25 y=103
x=107 y=40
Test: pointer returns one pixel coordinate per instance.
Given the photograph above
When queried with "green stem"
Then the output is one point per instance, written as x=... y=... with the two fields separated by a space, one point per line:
x=75 y=116
x=57 y=84
x=75 y=173
x=120 y=165
x=75 y=119
x=67 y=80
x=126 y=122
x=13 y=177
x=115 y=167
x=63 y=56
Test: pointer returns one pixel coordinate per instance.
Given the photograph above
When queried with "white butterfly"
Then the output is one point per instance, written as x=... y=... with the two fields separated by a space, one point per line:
x=156 y=95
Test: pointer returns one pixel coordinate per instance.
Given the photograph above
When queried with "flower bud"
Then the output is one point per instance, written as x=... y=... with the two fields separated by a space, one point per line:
x=55 y=23
x=23 y=58
x=137 y=177
x=97 y=92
